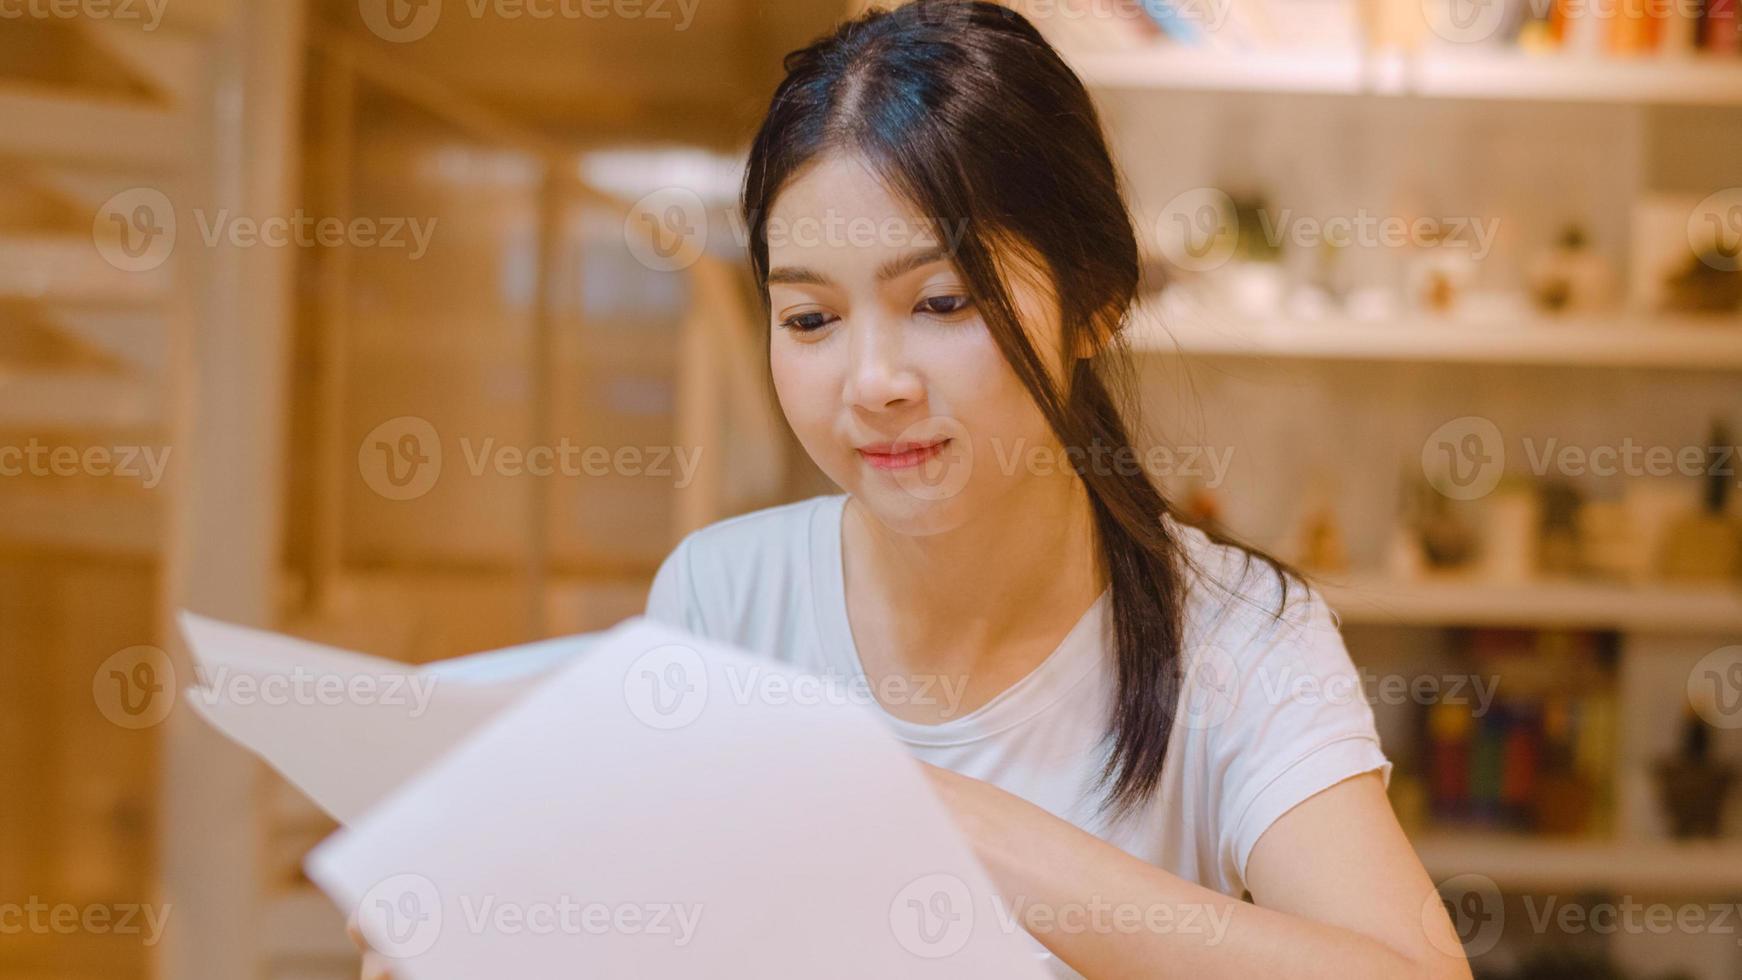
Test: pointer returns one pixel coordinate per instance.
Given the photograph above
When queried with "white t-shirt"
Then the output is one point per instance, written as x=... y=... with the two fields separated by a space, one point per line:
x=1272 y=712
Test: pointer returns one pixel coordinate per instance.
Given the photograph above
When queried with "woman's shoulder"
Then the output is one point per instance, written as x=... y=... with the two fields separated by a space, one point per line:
x=783 y=530
x=1236 y=598
x=729 y=566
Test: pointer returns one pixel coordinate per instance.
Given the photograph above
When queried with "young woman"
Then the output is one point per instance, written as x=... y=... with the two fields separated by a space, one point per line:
x=1117 y=708
x=1126 y=715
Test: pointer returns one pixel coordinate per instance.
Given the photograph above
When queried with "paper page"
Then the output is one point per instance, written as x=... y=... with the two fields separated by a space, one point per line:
x=669 y=807
x=346 y=728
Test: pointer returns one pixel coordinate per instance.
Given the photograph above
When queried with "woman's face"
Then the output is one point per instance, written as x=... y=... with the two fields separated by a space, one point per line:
x=883 y=366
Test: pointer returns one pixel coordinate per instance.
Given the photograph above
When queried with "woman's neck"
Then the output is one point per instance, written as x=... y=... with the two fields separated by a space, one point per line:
x=1024 y=565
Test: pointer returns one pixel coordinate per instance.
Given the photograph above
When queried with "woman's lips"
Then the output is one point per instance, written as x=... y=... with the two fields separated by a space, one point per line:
x=900 y=456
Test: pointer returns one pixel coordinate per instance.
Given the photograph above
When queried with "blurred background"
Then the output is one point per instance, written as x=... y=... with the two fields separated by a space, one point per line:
x=423 y=327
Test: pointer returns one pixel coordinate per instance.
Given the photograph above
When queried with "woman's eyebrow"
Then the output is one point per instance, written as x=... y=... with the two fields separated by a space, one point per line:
x=888 y=270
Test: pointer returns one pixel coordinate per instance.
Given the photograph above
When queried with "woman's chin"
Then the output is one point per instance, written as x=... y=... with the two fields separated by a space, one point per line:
x=910 y=509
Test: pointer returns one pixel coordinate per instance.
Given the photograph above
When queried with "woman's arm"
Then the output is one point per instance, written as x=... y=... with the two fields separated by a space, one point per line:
x=1340 y=894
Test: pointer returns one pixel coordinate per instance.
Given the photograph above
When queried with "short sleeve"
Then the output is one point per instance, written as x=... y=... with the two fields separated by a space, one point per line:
x=1298 y=723
x=672 y=598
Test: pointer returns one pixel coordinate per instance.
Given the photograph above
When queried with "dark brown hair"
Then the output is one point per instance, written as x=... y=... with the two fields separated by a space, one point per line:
x=963 y=109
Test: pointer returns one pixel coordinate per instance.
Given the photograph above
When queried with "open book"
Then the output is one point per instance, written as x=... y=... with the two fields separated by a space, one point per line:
x=639 y=802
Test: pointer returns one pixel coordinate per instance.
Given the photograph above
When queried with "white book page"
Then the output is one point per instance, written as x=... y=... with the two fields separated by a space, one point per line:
x=670 y=807
x=346 y=728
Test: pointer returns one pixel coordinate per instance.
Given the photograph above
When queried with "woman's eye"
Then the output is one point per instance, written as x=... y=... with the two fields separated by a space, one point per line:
x=945 y=305
x=806 y=322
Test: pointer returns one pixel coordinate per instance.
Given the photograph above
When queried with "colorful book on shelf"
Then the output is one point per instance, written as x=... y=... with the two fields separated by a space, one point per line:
x=1718 y=27
x=1518 y=759
x=1449 y=727
x=1540 y=755
x=1680 y=31
x=1117 y=24
x=1175 y=21
x=1630 y=28
x=1084 y=26
x=1486 y=752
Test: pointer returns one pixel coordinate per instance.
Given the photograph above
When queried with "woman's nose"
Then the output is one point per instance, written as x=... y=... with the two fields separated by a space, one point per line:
x=878 y=374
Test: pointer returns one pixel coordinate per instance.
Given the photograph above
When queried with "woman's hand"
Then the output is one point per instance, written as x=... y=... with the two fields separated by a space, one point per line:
x=1338 y=892
x=999 y=824
x=958 y=796
x=375 y=966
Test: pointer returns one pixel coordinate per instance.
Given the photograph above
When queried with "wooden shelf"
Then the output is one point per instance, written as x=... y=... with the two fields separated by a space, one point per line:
x=1522 y=862
x=1507 y=75
x=1575 y=604
x=301 y=925
x=1691 y=80
x=1194 y=69
x=1712 y=343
